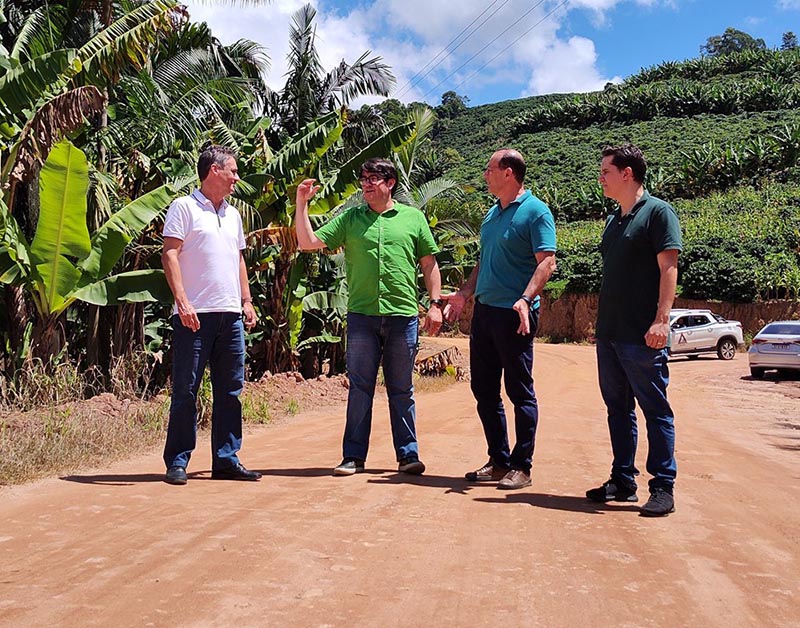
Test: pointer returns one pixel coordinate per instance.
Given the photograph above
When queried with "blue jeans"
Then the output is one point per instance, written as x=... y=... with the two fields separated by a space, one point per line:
x=495 y=350
x=629 y=372
x=220 y=343
x=370 y=341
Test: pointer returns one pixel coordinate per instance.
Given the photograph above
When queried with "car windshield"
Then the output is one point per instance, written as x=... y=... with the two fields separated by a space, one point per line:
x=782 y=329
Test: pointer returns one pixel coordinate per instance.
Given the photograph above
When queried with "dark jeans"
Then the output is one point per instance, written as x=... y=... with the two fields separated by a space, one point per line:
x=629 y=372
x=496 y=349
x=220 y=343
x=370 y=341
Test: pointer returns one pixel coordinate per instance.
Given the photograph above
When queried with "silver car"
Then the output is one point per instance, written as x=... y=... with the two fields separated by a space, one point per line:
x=777 y=346
x=693 y=332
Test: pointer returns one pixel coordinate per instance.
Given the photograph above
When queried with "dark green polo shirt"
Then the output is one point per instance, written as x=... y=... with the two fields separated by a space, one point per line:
x=630 y=244
x=381 y=253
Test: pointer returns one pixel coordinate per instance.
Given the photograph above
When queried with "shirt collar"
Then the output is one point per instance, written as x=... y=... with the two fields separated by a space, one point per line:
x=517 y=201
x=391 y=210
x=204 y=200
x=637 y=206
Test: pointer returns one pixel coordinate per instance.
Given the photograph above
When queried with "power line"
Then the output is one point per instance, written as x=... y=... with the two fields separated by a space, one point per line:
x=498 y=36
x=499 y=53
x=414 y=80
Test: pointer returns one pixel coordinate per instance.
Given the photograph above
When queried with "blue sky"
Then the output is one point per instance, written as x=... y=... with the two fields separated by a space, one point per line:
x=516 y=48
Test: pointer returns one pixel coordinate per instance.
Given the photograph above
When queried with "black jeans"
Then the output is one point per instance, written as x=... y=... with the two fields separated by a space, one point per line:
x=496 y=349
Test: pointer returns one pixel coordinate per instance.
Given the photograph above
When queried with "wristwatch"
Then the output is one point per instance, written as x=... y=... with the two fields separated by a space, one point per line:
x=527 y=300
x=439 y=302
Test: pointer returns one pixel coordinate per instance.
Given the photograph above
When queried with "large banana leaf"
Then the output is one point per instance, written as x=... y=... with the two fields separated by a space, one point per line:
x=133 y=287
x=296 y=291
x=313 y=140
x=23 y=86
x=344 y=180
x=128 y=38
x=61 y=230
x=109 y=242
x=14 y=259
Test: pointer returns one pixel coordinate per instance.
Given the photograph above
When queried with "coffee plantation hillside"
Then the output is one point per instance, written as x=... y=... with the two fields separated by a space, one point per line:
x=722 y=137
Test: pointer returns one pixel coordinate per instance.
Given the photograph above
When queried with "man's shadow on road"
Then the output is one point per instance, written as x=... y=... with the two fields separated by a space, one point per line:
x=452 y=484
x=121 y=479
x=570 y=503
x=307 y=472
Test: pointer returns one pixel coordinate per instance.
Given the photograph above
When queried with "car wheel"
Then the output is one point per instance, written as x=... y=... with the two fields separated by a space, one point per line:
x=756 y=372
x=726 y=349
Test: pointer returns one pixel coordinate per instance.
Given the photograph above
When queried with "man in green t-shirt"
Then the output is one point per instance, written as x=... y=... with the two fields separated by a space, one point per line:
x=383 y=242
x=640 y=247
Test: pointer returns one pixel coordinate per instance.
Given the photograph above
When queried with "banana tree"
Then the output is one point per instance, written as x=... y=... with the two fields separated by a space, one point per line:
x=63 y=263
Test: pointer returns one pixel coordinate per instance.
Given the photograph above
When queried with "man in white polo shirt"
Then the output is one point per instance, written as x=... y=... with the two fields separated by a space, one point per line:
x=203 y=263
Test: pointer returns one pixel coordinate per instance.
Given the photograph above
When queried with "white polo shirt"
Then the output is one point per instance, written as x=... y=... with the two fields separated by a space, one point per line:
x=209 y=256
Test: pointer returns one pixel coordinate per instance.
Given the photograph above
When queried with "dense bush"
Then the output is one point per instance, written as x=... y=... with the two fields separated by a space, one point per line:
x=739 y=246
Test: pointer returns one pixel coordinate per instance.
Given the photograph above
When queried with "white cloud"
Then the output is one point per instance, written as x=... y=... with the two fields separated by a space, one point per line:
x=789 y=4
x=408 y=34
x=567 y=66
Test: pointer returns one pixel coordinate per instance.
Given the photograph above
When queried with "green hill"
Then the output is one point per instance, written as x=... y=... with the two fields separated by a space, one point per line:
x=722 y=138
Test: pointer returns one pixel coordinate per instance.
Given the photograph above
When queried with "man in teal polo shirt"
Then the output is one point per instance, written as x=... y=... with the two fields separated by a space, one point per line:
x=640 y=247
x=383 y=243
x=518 y=244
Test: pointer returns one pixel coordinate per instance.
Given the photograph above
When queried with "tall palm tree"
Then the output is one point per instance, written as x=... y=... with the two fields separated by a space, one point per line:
x=310 y=91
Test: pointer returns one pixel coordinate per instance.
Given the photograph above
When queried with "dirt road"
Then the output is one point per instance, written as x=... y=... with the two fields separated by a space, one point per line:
x=118 y=547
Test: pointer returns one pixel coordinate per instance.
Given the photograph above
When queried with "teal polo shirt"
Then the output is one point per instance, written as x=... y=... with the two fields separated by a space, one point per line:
x=381 y=252
x=510 y=239
x=631 y=276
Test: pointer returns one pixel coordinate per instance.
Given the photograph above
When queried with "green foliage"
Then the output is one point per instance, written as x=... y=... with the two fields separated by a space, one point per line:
x=739 y=246
x=730 y=42
x=63 y=263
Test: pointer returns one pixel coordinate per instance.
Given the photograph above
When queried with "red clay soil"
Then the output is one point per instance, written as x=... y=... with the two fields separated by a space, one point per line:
x=118 y=547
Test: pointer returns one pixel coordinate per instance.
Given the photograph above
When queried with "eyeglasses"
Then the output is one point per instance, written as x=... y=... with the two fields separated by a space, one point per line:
x=373 y=179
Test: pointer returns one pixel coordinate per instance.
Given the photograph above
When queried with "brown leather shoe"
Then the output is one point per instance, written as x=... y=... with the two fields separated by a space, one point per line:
x=515 y=479
x=487 y=473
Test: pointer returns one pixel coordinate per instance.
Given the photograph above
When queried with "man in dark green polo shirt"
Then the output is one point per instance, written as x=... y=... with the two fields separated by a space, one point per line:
x=640 y=247
x=383 y=243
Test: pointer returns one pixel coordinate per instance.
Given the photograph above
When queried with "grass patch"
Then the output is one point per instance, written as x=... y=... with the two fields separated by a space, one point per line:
x=61 y=439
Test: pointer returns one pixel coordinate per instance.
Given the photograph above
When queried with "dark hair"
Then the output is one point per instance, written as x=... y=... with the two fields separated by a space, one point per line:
x=512 y=159
x=382 y=167
x=628 y=156
x=210 y=156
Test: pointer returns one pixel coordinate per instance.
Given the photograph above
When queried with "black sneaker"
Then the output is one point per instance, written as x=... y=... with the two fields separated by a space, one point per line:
x=612 y=492
x=412 y=465
x=660 y=504
x=349 y=467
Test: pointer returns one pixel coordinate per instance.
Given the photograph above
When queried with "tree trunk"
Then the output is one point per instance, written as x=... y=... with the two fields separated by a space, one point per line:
x=48 y=339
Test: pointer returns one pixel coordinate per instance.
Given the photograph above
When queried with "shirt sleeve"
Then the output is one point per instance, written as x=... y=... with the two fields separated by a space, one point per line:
x=665 y=229
x=543 y=232
x=177 y=223
x=333 y=233
x=426 y=244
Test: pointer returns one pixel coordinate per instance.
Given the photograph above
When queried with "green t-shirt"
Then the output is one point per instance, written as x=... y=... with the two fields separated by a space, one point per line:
x=381 y=252
x=630 y=245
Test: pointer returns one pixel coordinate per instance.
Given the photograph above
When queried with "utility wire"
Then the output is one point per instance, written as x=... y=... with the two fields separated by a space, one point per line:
x=463 y=65
x=414 y=80
x=504 y=49
x=498 y=36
